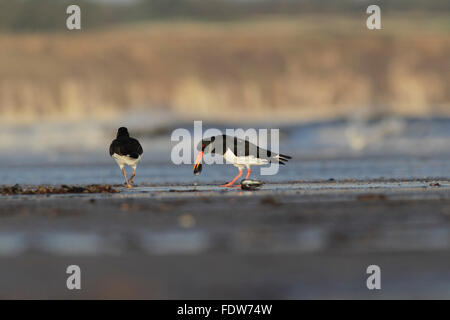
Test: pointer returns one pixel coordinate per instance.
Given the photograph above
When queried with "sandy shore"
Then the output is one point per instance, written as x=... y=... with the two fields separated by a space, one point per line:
x=288 y=240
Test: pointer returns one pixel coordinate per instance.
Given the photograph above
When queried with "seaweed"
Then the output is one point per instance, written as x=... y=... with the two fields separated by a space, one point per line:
x=63 y=189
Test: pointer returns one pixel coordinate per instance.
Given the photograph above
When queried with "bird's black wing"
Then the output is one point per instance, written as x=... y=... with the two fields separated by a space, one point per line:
x=244 y=147
x=126 y=147
x=134 y=147
x=114 y=147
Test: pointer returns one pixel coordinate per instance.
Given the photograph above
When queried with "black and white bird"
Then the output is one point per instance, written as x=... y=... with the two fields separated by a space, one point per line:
x=239 y=152
x=126 y=151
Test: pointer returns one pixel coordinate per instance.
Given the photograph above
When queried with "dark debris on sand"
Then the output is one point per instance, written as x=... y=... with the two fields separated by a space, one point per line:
x=64 y=189
x=270 y=201
x=435 y=184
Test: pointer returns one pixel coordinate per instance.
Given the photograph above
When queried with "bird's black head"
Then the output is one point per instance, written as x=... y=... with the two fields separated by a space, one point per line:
x=204 y=144
x=122 y=132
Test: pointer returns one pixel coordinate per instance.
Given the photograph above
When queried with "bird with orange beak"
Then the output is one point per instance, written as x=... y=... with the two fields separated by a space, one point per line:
x=239 y=152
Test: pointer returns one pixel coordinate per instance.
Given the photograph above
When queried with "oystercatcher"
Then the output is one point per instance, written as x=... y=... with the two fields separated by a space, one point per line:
x=241 y=153
x=126 y=151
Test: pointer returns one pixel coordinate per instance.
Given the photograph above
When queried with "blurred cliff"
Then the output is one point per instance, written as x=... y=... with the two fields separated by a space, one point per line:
x=294 y=60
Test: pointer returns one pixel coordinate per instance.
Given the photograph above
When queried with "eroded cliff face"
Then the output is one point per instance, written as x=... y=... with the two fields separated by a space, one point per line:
x=296 y=68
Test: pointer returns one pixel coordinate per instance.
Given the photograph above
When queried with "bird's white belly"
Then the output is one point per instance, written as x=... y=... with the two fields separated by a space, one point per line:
x=125 y=160
x=243 y=161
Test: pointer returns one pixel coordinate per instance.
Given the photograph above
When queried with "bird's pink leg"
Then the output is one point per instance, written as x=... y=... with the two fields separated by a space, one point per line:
x=132 y=176
x=125 y=176
x=249 y=170
x=229 y=184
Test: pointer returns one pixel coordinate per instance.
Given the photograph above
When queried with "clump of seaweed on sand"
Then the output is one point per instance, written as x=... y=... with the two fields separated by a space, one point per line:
x=63 y=189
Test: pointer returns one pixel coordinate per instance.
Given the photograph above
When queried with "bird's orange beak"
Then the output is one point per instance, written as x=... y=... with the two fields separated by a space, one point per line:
x=198 y=163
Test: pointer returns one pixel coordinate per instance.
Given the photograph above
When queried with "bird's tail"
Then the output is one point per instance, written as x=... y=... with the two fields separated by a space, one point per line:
x=282 y=158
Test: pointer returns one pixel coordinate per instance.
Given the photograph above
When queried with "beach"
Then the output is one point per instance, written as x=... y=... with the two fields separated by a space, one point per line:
x=285 y=241
x=356 y=193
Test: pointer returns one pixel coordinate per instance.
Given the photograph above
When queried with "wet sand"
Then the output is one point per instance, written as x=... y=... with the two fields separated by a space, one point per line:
x=288 y=240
